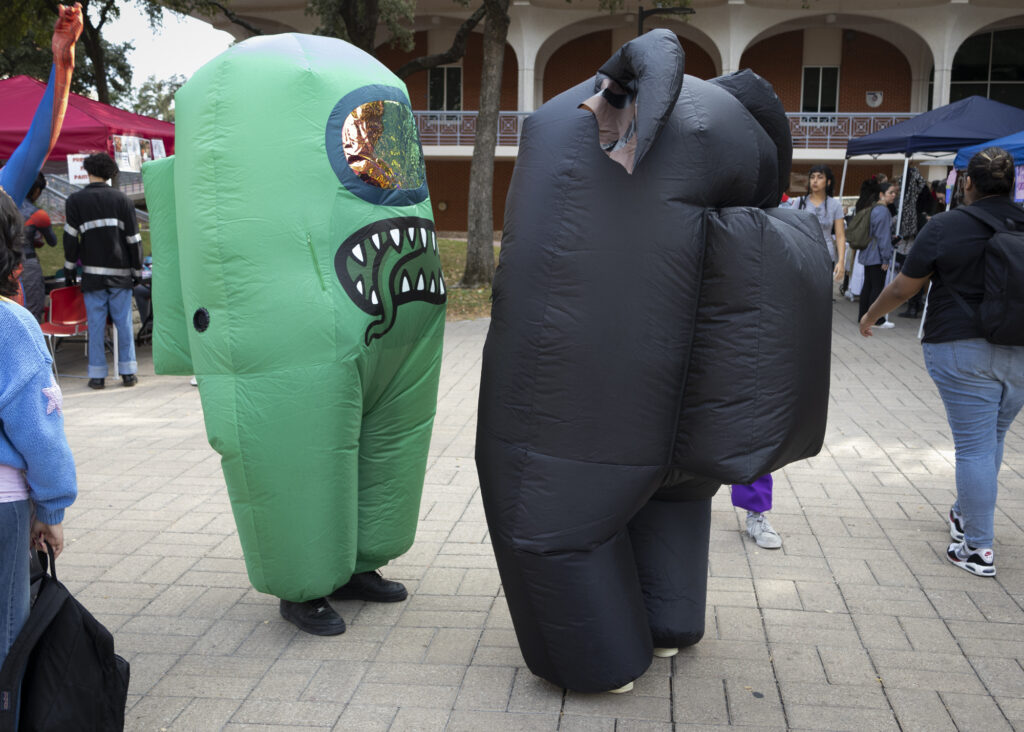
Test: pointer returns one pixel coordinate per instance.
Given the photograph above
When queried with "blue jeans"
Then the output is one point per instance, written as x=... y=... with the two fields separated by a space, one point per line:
x=117 y=302
x=14 y=537
x=982 y=387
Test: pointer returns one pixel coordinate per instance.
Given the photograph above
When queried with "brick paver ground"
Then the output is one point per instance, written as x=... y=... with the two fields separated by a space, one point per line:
x=857 y=623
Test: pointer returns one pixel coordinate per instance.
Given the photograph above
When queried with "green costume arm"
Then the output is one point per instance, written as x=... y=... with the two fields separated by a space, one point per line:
x=171 y=353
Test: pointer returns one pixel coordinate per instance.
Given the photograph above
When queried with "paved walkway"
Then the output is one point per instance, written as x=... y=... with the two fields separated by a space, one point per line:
x=857 y=623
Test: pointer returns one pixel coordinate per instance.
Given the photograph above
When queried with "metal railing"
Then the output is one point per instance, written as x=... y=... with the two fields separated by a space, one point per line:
x=819 y=131
x=459 y=128
x=810 y=131
x=58 y=188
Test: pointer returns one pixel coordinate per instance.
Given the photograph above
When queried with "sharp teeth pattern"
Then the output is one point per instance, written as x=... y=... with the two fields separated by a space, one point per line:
x=376 y=241
x=433 y=238
x=406 y=285
x=423 y=236
x=412 y=237
x=396 y=239
x=433 y=284
x=359 y=285
x=420 y=283
x=440 y=282
x=373 y=298
x=357 y=254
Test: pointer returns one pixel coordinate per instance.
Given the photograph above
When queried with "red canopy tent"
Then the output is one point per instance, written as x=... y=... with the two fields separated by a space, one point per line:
x=88 y=124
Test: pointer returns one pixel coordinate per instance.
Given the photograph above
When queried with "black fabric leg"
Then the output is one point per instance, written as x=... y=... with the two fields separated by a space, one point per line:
x=670 y=543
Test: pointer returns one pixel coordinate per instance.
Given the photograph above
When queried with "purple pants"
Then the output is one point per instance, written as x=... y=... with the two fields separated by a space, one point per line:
x=756 y=497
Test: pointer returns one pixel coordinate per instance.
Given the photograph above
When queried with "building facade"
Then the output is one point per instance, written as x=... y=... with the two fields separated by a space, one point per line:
x=842 y=68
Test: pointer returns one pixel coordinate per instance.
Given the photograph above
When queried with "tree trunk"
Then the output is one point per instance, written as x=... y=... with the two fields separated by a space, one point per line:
x=93 y=44
x=480 y=229
x=360 y=18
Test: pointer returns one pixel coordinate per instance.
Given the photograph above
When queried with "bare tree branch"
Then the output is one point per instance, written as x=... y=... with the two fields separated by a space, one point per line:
x=235 y=19
x=457 y=50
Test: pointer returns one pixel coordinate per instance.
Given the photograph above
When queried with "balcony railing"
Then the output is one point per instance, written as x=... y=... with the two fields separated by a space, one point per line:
x=810 y=131
x=459 y=128
x=818 y=131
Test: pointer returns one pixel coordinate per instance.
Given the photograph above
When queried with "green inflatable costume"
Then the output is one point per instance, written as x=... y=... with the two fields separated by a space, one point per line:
x=296 y=274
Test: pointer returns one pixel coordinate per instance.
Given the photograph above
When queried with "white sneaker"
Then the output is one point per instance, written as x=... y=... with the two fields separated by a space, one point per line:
x=887 y=324
x=762 y=532
x=193 y=381
x=849 y=296
x=622 y=689
x=665 y=652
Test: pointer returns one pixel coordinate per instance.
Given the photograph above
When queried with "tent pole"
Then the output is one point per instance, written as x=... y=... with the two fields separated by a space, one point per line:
x=903 y=190
x=842 y=183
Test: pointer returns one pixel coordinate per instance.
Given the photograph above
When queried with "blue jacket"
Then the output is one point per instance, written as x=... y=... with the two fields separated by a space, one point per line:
x=31 y=418
x=879 y=250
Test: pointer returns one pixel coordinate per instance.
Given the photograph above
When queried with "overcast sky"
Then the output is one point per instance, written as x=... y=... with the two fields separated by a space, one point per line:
x=181 y=46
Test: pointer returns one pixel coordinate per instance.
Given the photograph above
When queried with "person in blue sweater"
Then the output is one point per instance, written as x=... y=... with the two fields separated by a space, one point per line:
x=37 y=471
x=878 y=254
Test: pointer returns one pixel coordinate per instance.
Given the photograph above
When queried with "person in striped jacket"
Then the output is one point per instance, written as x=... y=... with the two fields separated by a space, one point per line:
x=101 y=232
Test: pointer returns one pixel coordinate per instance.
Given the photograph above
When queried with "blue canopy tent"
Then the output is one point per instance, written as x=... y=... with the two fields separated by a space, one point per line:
x=947 y=129
x=1013 y=144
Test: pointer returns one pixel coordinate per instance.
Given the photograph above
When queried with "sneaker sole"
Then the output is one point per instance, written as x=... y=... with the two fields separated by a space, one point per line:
x=953 y=533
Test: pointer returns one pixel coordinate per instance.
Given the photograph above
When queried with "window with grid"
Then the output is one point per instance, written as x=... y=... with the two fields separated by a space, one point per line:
x=444 y=88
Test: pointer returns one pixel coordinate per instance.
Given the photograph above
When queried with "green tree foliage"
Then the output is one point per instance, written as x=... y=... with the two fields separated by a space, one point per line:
x=101 y=67
x=155 y=97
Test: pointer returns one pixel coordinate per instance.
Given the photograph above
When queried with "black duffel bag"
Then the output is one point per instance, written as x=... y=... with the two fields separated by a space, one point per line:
x=71 y=679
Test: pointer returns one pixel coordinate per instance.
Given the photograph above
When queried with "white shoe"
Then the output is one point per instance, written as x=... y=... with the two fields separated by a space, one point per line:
x=622 y=689
x=849 y=296
x=193 y=381
x=665 y=652
x=762 y=532
x=887 y=324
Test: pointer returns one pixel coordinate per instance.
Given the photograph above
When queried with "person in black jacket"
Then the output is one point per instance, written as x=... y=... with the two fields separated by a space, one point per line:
x=101 y=231
x=981 y=383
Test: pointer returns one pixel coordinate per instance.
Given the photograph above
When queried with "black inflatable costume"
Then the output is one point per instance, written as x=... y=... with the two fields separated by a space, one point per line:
x=659 y=328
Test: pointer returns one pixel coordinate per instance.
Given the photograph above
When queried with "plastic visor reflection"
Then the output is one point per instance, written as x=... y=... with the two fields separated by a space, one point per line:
x=382 y=147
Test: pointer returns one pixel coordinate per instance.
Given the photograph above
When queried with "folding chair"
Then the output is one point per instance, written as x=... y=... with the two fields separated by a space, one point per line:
x=66 y=318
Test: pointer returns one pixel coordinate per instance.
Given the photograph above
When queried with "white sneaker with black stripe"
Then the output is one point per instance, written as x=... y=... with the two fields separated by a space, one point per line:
x=976 y=561
x=956 y=525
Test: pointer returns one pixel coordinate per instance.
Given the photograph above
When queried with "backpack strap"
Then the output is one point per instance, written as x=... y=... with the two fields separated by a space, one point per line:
x=52 y=596
x=978 y=213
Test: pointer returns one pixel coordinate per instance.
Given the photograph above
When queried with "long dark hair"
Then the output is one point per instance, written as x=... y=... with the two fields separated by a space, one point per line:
x=870 y=190
x=991 y=170
x=10 y=244
x=829 y=182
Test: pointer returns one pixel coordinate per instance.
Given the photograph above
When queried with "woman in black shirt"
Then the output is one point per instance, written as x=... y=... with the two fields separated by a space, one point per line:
x=981 y=383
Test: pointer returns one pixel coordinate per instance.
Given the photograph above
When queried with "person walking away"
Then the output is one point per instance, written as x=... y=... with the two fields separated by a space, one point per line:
x=820 y=201
x=756 y=498
x=37 y=471
x=38 y=231
x=981 y=383
x=878 y=253
x=101 y=231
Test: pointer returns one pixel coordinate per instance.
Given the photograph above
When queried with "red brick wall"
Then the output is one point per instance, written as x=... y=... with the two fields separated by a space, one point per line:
x=576 y=61
x=471 y=63
x=448 y=181
x=580 y=58
x=872 y=64
x=779 y=59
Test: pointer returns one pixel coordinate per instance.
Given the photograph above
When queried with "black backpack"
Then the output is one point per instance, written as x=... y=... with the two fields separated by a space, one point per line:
x=71 y=679
x=1001 y=313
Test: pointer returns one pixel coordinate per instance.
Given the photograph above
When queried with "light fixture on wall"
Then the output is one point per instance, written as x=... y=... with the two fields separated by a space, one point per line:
x=873 y=99
x=442 y=206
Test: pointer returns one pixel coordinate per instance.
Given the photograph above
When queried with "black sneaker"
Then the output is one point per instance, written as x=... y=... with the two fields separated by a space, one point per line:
x=129 y=379
x=976 y=561
x=372 y=587
x=314 y=616
x=956 y=526
x=97 y=383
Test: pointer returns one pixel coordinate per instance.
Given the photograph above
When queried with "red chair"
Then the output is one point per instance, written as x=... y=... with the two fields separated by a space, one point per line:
x=66 y=318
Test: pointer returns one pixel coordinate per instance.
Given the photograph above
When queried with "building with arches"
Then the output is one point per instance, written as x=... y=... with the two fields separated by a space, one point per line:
x=842 y=68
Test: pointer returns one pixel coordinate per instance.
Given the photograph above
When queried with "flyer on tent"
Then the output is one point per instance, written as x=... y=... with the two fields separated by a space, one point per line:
x=76 y=169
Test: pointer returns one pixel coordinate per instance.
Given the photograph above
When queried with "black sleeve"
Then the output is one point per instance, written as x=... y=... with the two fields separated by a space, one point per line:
x=920 y=260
